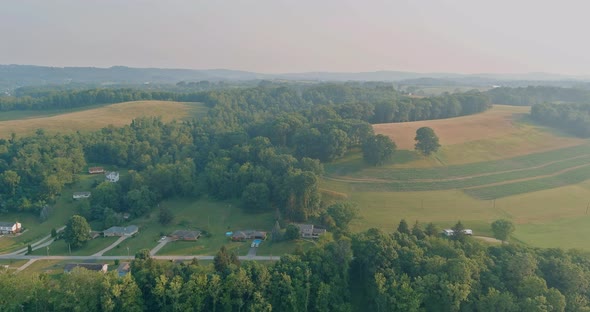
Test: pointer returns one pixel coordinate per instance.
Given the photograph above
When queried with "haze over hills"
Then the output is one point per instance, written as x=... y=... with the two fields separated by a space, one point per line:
x=13 y=76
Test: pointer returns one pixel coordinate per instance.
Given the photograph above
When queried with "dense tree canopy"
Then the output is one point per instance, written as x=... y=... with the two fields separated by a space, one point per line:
x=77 y=231
x=378 y=149
x=426 y=141
x=502 y=229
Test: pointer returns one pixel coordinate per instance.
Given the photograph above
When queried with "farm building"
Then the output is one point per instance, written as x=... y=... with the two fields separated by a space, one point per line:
x=121 y=231
x=79 y=195
x=112 y=176
x=98 y=267
x=10 y=227
x=186 y=235
x=248 y=234
x=310 y=231
x=95 y=170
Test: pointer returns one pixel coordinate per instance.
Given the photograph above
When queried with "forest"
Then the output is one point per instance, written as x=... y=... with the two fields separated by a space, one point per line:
x=405 y=270
x=573 y=118
x=531 y=95
x=263 y=146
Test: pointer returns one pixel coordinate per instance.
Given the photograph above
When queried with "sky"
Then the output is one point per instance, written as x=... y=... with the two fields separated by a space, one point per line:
x=280 y=36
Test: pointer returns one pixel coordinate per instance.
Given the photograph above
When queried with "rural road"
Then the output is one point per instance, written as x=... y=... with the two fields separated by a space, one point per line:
x=251 y=252
x=97 y=258
x=100 y=253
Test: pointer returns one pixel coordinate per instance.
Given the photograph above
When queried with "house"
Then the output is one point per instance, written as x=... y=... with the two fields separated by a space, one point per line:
x=10 y=227
x=449 y=232
x=112 y=176
x=79 y=195
x=248 y=234
x=97 y=267
x=186 y=235
x=124 y=269
x=95 y=170
x=310 y=231
x=121 y=231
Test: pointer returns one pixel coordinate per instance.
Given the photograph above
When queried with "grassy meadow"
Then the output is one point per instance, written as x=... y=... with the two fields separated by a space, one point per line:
x=497 y=164
x=93 y=118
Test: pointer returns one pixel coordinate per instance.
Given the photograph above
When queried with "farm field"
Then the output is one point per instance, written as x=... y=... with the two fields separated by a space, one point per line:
x=95 y=118
x=501 y=132
x=495 y=165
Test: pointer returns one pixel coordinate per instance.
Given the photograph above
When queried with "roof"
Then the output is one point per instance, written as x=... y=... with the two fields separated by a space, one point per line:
x=124 y=267
x=88 y=266
x=130 y=229
x=81 y=193
x=187 y=234
x=7 y=224
x=305 y=226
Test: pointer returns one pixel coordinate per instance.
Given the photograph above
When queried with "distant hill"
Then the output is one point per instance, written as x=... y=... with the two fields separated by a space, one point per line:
x=13 y=76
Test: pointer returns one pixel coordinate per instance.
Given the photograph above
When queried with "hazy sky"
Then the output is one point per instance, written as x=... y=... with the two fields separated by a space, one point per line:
x=274 y=36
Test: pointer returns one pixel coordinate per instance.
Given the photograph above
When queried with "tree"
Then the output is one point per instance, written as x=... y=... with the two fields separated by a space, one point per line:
x=165 y=216
x=378 y=149
x=223 y=259
x=426 y=141
x=256 y=197
x=502 y=228
x=29 y=249
x=292 y=232
x=77 y=231
x=403 y=227
x=459 y=231
x=53 y=232
x=417 y=231
x=342 y=214
x=431 y=229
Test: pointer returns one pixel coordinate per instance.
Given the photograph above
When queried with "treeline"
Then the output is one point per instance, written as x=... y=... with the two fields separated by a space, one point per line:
x=527 y=96
x=573 y=118
x=260 y=145
x=373 y=271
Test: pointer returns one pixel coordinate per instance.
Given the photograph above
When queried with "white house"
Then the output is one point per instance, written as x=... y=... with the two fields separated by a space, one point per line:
x=10 y=227
x=79 y=195
x=449 y=232
x=112 y=176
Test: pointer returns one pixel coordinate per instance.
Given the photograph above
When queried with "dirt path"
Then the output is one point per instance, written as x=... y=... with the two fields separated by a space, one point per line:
x=488 y=239
x=26 y=265
x=377 y=180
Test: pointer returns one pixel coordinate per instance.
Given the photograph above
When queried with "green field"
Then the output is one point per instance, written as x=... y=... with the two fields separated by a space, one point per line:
x=543 y=190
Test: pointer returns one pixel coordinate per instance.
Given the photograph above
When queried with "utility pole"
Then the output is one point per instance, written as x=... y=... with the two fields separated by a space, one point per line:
x=70 y=248
x=47 y=251
x=127 y=251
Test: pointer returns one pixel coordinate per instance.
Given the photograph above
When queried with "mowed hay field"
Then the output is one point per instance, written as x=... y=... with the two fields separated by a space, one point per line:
x=497 y=164
x=92 y=119
x=501 y=132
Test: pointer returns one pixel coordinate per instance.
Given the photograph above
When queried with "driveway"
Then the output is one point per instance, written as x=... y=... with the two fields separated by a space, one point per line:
x=162 y=243
x=122 y=238
x=251 y=252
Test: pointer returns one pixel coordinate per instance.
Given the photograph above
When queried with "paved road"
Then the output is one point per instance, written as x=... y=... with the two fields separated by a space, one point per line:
x=97 y=258
x=162 y=243
x=122 y=238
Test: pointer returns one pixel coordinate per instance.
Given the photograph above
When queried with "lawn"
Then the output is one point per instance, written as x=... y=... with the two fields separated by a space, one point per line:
x=119 y=114
x=214 y=217
x=554 y=217
x=270 y=248
x=62 y=210
x=60 y=248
